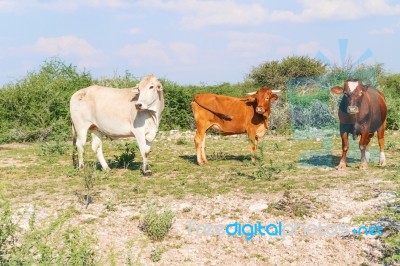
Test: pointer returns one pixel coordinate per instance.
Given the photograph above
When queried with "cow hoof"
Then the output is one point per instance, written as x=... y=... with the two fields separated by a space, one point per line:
x=201 y=163
x=382 y=162
x=364 y=166
x=341 y=166
x=147 y=173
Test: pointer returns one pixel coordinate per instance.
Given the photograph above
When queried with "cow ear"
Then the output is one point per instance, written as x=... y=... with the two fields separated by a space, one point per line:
x=274 y=97
x=365 y=88
x=251 y=98
x=159 y=87
x=136 y=88
x=337 y=90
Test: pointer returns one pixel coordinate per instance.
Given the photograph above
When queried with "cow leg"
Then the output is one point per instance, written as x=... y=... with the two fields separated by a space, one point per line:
x=253 y=147
x=80 y=142
x=364 y=141
x=345 y=148
x=367 y=153
x=144 y=147
x=200 y=143
x=203 y=149
x=381 y=141
x=97 y=147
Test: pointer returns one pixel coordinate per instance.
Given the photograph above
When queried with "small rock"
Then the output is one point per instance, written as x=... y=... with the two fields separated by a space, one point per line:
x=258 y=207
x=345 y=220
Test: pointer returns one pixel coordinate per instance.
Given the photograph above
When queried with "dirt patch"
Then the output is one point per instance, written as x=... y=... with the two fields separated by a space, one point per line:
x=117 y=231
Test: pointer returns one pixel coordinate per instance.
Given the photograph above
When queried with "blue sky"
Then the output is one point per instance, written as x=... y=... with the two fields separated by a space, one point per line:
x=192 y=41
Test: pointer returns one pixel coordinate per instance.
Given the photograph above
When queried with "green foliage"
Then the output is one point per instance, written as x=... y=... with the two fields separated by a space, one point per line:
x=78 y=247
x=8 y=231
x=125 y=81
x=391 y=89
x=156 y=225
x=37 y=107
x=47 y=245
x=264 y=170
x=128 y=155
x=275 y=74
x=181 y=141
x=156 y=253
x=54 y=147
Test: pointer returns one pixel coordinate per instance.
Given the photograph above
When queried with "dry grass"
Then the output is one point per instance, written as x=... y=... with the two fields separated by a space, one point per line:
x=219 y=192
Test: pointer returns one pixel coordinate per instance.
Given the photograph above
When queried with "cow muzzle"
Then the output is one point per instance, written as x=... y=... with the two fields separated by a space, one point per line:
x=352 y=110
x=139 y=106
x=260 y=110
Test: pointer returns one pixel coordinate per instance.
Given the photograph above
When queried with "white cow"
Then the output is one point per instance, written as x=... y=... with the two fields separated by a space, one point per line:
x=117 y=113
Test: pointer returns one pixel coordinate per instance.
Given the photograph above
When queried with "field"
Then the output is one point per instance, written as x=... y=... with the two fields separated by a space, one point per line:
x=95 y=217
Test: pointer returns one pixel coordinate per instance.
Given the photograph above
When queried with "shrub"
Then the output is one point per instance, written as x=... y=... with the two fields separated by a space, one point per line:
x=275 y=74
x=391 y=88
x=128 y=155
x=48 y=244
x=156 y=253
x=37 y=107
x=156 y=225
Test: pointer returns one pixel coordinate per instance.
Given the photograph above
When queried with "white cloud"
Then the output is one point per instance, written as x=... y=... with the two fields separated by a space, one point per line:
x=153 y=52
x=385 y=30
x=59 y=5
x=107 y=3
x=310 y=48
x=250 y=44
x=148 y=53
x=336 y=10
x=66 y=46
x=198 y=13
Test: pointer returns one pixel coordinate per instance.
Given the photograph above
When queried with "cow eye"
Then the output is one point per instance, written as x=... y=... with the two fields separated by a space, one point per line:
x=151 y=87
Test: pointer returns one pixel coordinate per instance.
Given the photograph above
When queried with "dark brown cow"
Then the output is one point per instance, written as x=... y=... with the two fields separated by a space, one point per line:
x=230 y=115
x=362 y=112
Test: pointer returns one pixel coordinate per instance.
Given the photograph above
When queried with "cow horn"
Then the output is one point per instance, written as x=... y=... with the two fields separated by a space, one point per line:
x=276 y=91
x=252 y=93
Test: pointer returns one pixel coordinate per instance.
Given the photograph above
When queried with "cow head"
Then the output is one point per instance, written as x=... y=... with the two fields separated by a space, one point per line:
x=353 y=91
x=150 y=90
x=263 y=98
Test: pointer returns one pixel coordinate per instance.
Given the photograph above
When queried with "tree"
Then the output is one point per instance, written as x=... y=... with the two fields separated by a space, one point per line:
x=275 y=74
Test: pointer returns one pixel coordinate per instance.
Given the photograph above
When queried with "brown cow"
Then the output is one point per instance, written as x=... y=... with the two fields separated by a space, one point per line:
x=362 y=111
x=231 y=115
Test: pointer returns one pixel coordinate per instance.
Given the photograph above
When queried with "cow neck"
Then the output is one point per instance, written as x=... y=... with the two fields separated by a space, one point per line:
x=160 y=107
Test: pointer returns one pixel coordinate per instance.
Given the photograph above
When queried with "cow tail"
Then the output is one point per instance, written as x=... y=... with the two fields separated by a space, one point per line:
x=220 y=115
x=74 y=149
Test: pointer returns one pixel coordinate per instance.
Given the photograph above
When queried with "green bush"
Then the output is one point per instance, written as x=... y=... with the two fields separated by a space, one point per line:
x=37 y=107
x=275 y=74
x=43 y=244
x=156 y=225
x=128 y=155
x=391 y=89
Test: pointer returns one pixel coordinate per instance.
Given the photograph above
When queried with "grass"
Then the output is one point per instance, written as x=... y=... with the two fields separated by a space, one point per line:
x=156 y=224
x=42 y=174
